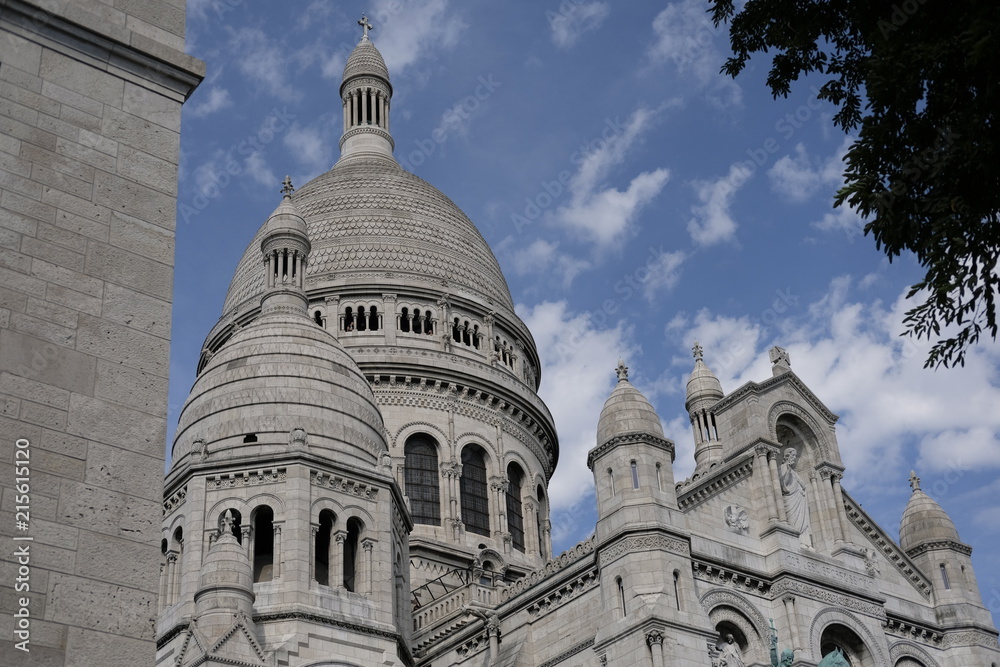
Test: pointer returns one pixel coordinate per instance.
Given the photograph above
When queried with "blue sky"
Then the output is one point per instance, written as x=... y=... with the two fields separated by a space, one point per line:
x=637 y=200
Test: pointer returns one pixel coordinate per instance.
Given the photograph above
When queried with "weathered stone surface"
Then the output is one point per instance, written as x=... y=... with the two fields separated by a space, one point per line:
x=101 y=421
x=108 y=608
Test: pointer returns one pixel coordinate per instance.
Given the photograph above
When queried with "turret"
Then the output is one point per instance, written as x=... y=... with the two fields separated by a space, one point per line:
x=703 y=391
x=285 y=246
x=633 y=461
x=225 y=585
x=928 y=536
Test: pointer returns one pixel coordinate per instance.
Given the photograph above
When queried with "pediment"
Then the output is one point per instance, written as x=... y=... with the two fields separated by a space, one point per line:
x=768 y=385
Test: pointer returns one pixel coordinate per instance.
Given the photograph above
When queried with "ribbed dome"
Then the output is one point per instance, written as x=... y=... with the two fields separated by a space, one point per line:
x=924 y=521
x=368 y=217
x=279 y=374
x=285 y=220
x=365 y=60
x=702 y=385
x=627 y=411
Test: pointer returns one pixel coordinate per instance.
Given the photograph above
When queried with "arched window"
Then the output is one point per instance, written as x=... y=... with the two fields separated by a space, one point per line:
x=351 y=555
x=611 y=480
x=475 y=502
x=944 y=577
x=635 y=475
x=324 y=542
x=404 y=320
x=621 y=597
x=237 y=524
x=422 y=479
x=659 y=480
x=475 y=336
x=318 y=318
x=263 y=544
x=456 y=333
x=428 y=324
x=373 y=318
x=349 y=319
x=515 y=515
x=677 y=589
x=539 y=518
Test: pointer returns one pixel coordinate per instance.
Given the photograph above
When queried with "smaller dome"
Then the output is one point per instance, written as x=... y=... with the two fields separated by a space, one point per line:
x=702 y=385
x=226 y=568
x=924 y=521
x=285 y=220
x=627 y=411
x=365 y=60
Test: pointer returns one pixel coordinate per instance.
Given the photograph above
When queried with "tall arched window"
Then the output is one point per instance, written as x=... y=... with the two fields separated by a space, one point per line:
x=324 y=540
x=263 y=544
x=237 y=524
x=422 y=479
x=373 y=319
x=475 y=502
x=515 y=515
x=351 y=555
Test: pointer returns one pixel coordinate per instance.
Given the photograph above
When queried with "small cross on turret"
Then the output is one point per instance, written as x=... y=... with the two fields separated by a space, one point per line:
x=365 y=25
x=914 y=480
x=697 y=350
x=287 y=188
x=622 y=370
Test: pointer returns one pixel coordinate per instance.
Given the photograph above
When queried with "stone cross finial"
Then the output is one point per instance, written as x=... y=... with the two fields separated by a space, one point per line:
x=914 y=481
x=286 y=187
x=698 y=351
x=622 y=370
x=365 y=25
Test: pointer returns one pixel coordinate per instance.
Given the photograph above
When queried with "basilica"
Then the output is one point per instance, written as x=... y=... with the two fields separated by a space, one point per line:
x=359 y=475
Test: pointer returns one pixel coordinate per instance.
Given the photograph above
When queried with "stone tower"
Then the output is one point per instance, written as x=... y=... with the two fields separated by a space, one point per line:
x=90 y=114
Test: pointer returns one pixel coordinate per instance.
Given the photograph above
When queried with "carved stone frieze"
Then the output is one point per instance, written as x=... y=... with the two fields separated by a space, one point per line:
x=246 y=478
x=784 y=586
x=343 y=484
x=174 y=501
x=643 y=543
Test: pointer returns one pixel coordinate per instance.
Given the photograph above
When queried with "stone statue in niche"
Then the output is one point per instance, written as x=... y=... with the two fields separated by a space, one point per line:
x=737 y=519
x=730 y=654
x=793 y=493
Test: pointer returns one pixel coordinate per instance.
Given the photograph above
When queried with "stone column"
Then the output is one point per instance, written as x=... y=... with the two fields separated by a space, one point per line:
x=247 y=543
x=793 y=624
x=333 y=312
x=346 y=119
x=776 y=487
x=499 y=487
x=547 y=537
x=389 y=308
x=337 y=565
x=313 y=530
x=173 y=578
x=387 y=116
x=369 y=567
x=764 y=484
x=530 y=513
x=276 y=553
x=838 y=496
x=654 y=639
x=819 y=487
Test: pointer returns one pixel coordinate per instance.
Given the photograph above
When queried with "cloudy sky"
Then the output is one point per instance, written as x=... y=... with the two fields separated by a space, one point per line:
x=637 y=201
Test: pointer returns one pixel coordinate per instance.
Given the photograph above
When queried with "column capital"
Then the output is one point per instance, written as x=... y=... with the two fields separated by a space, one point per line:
x=340 y=536
x=368 y=545
x=788 y=599
x=654 y=637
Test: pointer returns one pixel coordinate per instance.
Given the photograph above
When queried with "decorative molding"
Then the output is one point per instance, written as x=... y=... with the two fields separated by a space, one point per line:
x=901 y=650
x=560 y=596
x=761 y=387
x=568 y=653
x=610 y=554
x=343 y=484
x=246 y=478
x=723 y=605
x=174 y=501
x=731 y=578
x=786 y=585
x=961 y=548
x=922 y=632
x=564 y=559
x=838 y=614
x=970 y=638
x=629 y=439
x=818 y=431
x=889 y=549
x=714 y=482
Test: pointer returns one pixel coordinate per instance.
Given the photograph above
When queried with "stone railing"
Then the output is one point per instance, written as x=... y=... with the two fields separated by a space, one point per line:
x=564 y=559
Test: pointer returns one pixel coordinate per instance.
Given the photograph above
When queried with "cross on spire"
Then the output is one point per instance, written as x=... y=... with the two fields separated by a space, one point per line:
x=365 y=25
x=697 y=351
x=622 y=370
x=914 y=481
x=286 y=187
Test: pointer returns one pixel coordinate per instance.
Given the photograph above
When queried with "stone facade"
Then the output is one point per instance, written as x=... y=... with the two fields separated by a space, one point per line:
x=360 y=475
x=90 y=99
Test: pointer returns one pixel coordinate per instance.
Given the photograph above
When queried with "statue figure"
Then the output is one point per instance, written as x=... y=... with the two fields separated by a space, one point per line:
x=835 y=658
x=731 y=655
x=793 y=492
x=787 y=656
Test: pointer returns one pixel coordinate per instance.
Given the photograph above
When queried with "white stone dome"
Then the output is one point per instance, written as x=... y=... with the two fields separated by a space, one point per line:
x=370 y=219
x=627 y=411
x=365 y=60
x=924 y=521
x=279 y=374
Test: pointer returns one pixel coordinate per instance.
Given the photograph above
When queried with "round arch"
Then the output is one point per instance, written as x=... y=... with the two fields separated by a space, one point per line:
x=782 y=408
x=404 y=432
x=903 y=650
x=832 y=616
x=725 y=606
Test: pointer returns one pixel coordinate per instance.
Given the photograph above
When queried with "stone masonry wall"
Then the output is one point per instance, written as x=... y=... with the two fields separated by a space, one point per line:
x=90 y=100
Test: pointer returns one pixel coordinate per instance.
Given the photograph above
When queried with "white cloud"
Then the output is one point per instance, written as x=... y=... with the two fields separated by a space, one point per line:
x=214 y=100
x=314 y=146
x=263 y=60
x=406 y=32
x=569 y=25
x=256 y=168
x=684 y=35
x=892 y=410
x=605 y=215
x=664 y=273
x=798 y=178
x=578 y=359
x=712 y=222
x=542 y=256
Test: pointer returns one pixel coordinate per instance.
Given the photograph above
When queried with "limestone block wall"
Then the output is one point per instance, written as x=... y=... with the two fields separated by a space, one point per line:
x=90 y=99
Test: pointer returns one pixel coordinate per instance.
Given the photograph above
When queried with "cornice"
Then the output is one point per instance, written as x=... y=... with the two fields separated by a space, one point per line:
x=960 y=547
x=715 y=481
x=629 y=439
x=761 y=387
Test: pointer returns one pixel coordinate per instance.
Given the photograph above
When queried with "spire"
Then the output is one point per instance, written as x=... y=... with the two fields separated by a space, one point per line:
x=365 y=94
x=703 y=391
x=698 y=352
x=914 y=481
x=622 y=370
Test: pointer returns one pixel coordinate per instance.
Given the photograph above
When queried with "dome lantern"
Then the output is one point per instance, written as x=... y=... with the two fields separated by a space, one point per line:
x=285 y=247
x=365 y=94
